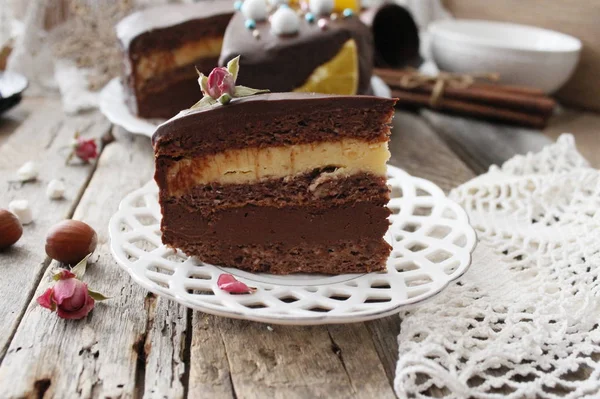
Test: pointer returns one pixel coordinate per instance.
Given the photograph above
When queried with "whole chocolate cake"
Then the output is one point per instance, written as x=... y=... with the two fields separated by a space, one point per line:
x=161 y=46
x=279 y=183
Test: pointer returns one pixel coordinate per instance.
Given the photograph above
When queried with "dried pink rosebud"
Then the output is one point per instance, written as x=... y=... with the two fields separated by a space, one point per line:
x=220 y=82
x=85 y=149
x=69 y=297
x=228 y=283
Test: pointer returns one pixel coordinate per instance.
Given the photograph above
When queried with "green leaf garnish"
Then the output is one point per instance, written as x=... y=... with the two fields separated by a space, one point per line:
x=97 y=296
x=204 y=102
x=233 y=67
x=243 y=91
x=79 y=269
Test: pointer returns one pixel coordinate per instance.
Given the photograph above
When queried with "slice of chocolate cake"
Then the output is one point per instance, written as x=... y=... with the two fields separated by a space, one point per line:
x=278 y=183
x=161 y=46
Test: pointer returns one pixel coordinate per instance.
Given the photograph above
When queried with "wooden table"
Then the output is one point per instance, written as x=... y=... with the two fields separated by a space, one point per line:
x=137 y=344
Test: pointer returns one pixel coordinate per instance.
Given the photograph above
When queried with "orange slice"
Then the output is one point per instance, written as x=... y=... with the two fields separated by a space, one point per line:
x=337 y=76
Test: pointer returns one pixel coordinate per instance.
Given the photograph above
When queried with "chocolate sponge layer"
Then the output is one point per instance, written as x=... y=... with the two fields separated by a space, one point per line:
x=312 y=189
x=331 y=257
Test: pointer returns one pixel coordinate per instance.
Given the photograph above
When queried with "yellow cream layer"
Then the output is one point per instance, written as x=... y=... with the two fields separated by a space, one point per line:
x=163 y=61
x=249 y=165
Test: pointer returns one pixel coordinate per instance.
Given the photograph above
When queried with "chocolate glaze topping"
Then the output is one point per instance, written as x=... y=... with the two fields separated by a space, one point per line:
x=158 y=19
x=283 y=63
x=274 y=119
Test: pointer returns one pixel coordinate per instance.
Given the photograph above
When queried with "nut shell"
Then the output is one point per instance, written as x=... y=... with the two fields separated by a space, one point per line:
x=11 y=229
x=70 y=241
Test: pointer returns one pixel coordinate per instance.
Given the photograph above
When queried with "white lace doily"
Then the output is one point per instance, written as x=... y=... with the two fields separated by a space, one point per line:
x=523 y=322
x=431 y=238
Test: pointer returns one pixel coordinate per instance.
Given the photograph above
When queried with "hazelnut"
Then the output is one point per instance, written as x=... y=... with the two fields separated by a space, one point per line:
x=70 y=241
x=10 y=229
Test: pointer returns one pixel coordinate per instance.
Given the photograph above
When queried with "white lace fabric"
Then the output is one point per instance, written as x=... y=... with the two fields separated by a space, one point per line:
x=523 y=321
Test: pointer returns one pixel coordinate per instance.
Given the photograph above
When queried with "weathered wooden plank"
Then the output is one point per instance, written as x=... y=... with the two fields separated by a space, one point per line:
x=481 y=144
x=43 y=137
x=585 y=126
x=283 y=362
x=13 y=118
x=417 y=148
x=124 y=348
x=353 y=344
x=164 y=350
x=208 y=363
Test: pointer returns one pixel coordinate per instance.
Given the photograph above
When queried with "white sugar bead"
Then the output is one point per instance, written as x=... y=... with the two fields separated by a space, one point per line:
x=29 y=171
x=321 y=7
x=276 y=3
x=255 y=9
x=55 y=189
x=22 y=210
x=285 y=21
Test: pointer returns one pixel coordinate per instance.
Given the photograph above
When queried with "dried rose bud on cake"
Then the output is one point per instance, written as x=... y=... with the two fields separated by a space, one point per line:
x=279 y=183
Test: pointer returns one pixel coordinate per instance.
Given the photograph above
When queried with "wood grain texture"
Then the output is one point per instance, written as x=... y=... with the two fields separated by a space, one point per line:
x=284 y=361
x=13 y=118
x=44 y=138
x=481 y=144
x=123 y=348
x=417 y=149
x=209 y=374
x=578 y=18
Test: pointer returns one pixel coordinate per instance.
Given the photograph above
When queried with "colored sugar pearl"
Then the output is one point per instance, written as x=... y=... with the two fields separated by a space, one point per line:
x=322 y=23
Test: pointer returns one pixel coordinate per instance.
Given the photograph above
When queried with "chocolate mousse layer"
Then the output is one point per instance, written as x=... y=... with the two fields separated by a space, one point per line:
x=228 y=234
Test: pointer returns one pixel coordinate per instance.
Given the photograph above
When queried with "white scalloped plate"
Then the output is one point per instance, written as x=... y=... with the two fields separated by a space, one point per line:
x=430 y=234
x=113 y=106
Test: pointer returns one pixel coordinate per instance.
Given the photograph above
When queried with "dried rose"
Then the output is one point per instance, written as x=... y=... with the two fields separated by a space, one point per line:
x=220 y=82
x=69 y=297
x=228 y=283
x=219 y=86
x=86 y=149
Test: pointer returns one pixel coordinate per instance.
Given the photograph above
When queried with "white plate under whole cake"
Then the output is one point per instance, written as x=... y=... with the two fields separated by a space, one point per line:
x=430 y=234
x=114 y=107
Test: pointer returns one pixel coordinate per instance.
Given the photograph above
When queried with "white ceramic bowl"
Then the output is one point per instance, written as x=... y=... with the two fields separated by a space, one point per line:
x=522 y=55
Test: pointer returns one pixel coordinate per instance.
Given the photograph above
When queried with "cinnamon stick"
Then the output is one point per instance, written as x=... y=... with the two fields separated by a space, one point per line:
x=393 y=76
x=488 y=112
x=489 y=94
